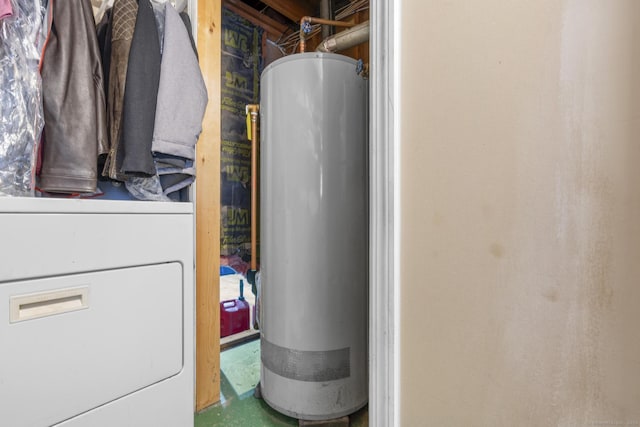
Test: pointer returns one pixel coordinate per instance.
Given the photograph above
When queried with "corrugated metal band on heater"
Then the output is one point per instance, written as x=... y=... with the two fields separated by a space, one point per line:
x=313 y=366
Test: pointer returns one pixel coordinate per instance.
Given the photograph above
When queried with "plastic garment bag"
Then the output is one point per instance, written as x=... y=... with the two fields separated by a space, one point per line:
x=21 y=116
x=146 y=188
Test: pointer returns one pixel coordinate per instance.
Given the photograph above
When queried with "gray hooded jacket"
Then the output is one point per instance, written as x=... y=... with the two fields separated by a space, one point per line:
x=182 y=94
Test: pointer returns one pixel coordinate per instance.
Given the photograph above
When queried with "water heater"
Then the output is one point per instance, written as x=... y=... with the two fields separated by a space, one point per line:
x=314 y=236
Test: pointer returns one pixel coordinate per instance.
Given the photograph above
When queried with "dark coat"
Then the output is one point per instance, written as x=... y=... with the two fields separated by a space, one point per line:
x=141 y=92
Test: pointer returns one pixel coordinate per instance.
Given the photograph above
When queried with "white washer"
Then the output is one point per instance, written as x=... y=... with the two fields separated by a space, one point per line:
x=96 y=313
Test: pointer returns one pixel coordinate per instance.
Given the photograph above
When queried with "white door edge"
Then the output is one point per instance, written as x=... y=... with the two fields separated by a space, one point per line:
x=384 y=394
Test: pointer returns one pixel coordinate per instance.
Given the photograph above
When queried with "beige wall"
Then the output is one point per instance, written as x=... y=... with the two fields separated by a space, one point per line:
x=520 y=211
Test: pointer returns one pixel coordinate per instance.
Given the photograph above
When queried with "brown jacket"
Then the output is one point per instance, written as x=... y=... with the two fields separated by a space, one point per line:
x=74 y=103
x=123 y=24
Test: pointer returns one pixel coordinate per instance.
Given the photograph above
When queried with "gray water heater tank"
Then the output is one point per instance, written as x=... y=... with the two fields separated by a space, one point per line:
x=314 y=236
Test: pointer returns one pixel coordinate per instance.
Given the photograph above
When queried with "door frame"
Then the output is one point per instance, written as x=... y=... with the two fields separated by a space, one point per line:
x=384 y=226
x=384 y=205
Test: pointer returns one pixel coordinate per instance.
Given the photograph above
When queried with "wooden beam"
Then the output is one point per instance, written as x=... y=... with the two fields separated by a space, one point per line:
x=274 y=28
x=239 y=338
x=293 y=9
x=208 y=211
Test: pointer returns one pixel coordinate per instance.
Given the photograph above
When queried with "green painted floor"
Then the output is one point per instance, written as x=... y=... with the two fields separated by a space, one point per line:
x=240 y=368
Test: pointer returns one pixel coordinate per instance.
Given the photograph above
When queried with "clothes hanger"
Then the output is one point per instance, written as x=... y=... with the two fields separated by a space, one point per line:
x=178 y=5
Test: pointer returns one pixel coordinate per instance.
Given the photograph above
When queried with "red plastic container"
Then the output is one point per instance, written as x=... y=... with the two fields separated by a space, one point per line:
x=234 y=316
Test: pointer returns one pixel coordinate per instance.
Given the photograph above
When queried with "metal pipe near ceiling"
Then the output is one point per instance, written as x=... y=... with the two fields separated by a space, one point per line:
x=305 y=27
x=345 y=39
x=326 y=12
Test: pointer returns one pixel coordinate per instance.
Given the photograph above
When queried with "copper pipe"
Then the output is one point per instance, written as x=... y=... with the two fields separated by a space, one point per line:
x=253 y=110
x=312 y=20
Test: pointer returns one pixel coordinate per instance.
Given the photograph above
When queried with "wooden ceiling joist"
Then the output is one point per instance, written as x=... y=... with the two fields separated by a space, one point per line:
x=293 y=9
x=271 y=26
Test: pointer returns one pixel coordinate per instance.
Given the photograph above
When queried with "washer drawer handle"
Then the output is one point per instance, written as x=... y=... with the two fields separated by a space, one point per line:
x=44 y=304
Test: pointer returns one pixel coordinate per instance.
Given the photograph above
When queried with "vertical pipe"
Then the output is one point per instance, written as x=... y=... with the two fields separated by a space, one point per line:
x=326 y=12
x=253 y=110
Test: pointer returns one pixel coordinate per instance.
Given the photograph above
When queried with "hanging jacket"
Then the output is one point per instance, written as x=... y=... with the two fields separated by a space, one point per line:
x=141 y=91
x=187 y=24
x=141 y=186
x=182 y=100
x=182 y=94
x=73 y=100
x=122 y=26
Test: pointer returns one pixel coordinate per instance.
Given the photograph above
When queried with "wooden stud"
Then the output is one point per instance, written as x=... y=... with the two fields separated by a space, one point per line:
x=208 y=211
x=338 y=422
x=239 y=338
